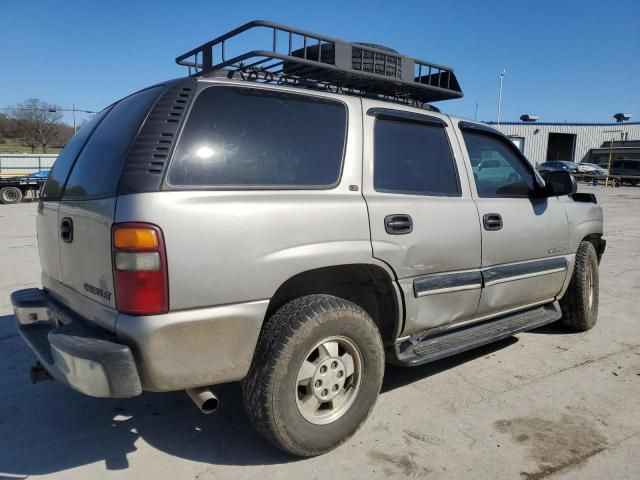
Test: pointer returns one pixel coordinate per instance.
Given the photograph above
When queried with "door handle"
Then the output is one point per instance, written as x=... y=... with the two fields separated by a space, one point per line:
x=66 y=230
x=492 y=221
x=398 y=224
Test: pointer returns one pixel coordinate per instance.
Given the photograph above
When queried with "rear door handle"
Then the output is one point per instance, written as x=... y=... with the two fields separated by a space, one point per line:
x=66 y=230
x=398 y=224
x=492 y=221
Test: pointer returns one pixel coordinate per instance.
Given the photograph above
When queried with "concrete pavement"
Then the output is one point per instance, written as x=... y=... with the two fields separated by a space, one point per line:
x=543 y=404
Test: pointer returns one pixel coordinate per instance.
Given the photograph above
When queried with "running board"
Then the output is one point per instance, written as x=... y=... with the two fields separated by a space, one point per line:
x=436 y=347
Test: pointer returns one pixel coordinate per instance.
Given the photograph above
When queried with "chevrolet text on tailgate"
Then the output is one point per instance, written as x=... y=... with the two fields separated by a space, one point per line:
x=292 y=220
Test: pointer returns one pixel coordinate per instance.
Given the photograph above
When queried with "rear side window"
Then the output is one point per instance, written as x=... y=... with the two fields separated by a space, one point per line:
x=414 y=159
x=60 y=171
x=247 y=137
x=97 y=171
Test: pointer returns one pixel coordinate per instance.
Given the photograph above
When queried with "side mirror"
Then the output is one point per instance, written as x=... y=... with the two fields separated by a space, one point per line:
x=560 y=183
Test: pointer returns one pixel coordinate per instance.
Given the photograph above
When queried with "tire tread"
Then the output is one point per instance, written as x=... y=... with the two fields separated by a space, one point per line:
x=575 y=312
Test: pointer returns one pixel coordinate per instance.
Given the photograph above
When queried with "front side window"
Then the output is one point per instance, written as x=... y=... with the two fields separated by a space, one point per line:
x=497 y=169
x=414 y=159
x=244 y=137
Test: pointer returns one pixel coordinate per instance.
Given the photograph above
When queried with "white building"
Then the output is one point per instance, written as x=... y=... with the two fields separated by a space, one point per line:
x=574 y=142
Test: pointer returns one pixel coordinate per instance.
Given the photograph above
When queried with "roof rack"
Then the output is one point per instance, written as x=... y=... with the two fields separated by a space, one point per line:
x=300 y=58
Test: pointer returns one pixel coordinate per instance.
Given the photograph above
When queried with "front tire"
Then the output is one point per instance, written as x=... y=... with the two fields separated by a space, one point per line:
x=580 y=302
x=315 y=376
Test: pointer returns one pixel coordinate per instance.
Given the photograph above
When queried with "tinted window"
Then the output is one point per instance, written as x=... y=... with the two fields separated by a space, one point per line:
x=413 y=158
x=260 y=138
x=98 y=168
x=632 y=165
x=60 y=170
x=512 y=179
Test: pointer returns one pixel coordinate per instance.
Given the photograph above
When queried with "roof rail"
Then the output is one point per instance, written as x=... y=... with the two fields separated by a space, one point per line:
x=300 y=58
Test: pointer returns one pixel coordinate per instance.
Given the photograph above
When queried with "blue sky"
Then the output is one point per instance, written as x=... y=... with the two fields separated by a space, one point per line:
x=565 y=60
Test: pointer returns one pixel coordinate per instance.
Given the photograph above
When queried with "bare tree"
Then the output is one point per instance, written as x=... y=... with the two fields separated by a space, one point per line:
x=7 y=128
x=63 y=135
x=38 y=122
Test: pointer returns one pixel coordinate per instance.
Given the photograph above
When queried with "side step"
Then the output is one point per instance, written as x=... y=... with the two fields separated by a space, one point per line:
x=436 y=347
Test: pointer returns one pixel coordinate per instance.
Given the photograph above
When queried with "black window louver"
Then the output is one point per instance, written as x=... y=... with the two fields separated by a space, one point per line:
x=152 y=148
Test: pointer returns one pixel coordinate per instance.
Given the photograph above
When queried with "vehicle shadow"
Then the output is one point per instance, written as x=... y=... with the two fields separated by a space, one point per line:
x=47 y=428
x=554 y=329
x=396 y=376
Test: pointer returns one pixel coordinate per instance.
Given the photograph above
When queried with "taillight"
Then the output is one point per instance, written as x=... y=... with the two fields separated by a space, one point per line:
x=140 y=269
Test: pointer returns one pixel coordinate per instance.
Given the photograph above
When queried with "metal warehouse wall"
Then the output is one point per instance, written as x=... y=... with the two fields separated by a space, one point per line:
x=17 y=163
x=587 y=136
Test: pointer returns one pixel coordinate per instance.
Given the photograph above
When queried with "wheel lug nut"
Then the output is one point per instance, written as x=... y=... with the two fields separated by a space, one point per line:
x=334 y=365
x=335 y=388
x=323 y=369
x=340 y=374
x=324 y=392
x=318 y=383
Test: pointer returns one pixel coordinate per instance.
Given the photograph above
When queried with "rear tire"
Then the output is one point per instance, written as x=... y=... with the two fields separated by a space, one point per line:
x=580 y=302
x=9 y=195
x=315 y=376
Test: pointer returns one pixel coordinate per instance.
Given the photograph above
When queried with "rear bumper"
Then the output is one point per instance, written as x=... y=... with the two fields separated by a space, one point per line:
x=160 y=353
x=193 y=348
x=85 y=357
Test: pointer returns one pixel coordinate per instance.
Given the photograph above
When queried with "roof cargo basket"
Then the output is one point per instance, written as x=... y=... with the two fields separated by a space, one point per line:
x=296 y=57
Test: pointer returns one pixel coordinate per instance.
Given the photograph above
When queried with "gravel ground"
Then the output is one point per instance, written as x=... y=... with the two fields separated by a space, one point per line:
x=542 y=404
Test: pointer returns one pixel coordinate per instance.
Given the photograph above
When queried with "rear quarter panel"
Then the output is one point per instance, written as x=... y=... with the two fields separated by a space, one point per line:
x=230 y=247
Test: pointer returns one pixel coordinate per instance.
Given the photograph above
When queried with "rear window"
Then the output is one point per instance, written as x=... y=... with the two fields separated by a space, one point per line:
x=414 y=159
x=61 y=167
x=247 y=137
x=97 y=171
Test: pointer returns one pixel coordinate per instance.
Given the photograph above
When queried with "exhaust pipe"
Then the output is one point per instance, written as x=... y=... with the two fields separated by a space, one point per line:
x=204 y=398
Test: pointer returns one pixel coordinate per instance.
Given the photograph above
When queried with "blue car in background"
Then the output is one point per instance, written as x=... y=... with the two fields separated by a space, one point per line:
x=40 y=174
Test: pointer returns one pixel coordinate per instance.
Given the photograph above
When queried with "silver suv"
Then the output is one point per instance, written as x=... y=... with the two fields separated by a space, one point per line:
x=292 y=220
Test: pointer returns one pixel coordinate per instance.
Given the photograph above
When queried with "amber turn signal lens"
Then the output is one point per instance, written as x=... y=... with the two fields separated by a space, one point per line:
x=135 y=238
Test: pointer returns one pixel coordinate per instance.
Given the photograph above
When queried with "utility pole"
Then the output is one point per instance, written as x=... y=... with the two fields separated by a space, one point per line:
x=475 y=115
x=612 y=132
x=73 y=111
x=501 y=77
